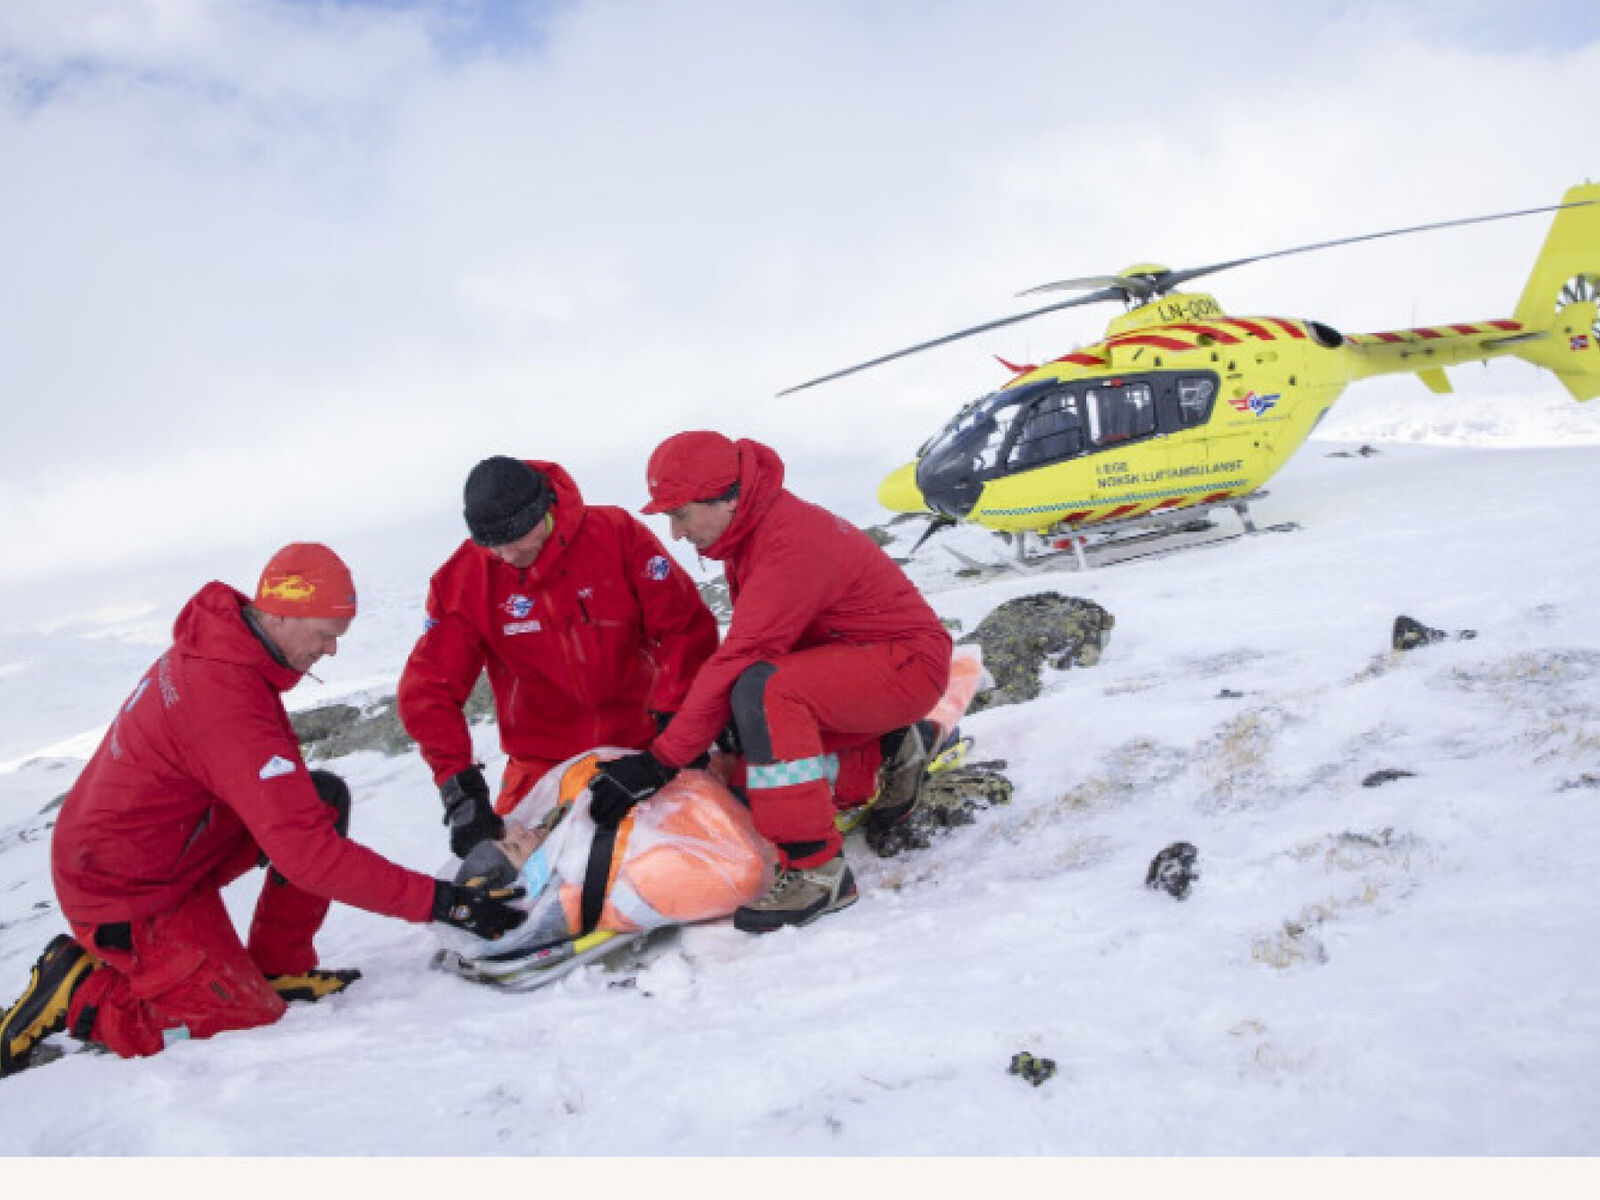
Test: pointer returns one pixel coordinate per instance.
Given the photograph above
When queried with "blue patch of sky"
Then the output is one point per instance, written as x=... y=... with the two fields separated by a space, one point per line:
x=1493 y=25
x=463 y=29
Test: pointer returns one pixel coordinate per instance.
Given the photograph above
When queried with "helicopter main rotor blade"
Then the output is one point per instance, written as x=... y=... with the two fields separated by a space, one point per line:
x=1172 y=278
x=1091 y=298
x=1088 y=281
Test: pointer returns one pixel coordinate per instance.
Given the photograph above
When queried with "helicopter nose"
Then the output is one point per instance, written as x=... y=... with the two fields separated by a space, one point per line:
x=949 y=482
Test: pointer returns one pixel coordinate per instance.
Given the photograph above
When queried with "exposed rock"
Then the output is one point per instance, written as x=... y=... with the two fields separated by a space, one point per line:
x=1387 y=775
x=1409 y=634
x=949 y=798
x=1173 y=871
x=715 y=593
x=1022 y=634
x=334 y=730
x=1034 y=1070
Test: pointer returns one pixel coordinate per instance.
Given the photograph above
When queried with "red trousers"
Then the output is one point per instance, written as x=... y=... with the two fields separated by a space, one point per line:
x=185 y=974
x=810 y=723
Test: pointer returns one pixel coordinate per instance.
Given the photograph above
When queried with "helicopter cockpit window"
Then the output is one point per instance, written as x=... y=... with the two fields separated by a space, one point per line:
x=1052 y=429
x=1195 y=394
x=1120 y=412
x=980 y=433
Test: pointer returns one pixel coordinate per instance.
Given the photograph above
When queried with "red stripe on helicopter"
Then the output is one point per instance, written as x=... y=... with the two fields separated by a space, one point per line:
x=1014 y=368
x=1121 y=510
x=1082 y=359
x=1210 y=331
x=1288 y=327
x=1253 y=329
x=1506 y=325
x=1150 y=339
x=1466 y=328
x=1171 y=502
x=1077 y=516
x=1215 y=496
x=1427 y=334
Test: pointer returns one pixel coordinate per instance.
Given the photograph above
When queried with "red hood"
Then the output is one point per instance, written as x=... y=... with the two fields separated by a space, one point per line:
x=212 y=626
x=760 y=483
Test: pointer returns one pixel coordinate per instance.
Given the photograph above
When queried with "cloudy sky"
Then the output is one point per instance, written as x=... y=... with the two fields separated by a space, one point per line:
x=281 y=269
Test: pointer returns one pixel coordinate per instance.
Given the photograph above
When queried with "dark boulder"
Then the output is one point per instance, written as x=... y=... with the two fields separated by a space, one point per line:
x=1024 y=635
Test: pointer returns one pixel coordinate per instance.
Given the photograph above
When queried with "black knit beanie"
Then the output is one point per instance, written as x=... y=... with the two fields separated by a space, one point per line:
x=505 y=498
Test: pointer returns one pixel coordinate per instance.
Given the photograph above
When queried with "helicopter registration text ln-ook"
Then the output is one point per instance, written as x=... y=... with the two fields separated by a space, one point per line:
x=1183 y=408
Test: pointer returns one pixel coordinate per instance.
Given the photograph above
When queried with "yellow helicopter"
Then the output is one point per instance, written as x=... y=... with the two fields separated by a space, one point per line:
x=1182 y=409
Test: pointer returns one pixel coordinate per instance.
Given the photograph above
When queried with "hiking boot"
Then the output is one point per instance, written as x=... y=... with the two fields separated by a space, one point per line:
x=905 y=764
x=42 y=1008
x=313 y=985
x=799 y=896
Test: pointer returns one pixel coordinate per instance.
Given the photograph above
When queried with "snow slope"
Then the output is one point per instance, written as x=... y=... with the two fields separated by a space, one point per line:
x=1404 y=969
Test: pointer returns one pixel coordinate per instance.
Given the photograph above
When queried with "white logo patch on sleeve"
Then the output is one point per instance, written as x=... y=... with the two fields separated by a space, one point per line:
x=275 y=766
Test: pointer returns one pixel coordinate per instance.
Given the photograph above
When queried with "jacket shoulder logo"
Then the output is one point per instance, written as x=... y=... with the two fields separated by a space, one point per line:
x=275 y=766
x=658 y=568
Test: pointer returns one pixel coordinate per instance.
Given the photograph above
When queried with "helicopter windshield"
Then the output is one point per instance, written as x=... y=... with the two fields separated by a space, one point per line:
x=981 y=427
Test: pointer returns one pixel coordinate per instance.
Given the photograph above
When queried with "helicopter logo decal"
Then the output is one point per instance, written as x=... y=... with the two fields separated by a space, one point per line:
x=1252 y=402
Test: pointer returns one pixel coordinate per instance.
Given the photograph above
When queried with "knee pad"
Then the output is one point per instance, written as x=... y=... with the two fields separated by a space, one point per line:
x=748 y=701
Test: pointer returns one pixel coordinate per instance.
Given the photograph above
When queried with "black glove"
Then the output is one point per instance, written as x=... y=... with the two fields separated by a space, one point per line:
x=467 y=811
x=622 y=782
x=478 y=908
x=728 y=739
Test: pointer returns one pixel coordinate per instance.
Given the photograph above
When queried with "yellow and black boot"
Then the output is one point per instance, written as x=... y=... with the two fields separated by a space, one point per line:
x=42 y=1008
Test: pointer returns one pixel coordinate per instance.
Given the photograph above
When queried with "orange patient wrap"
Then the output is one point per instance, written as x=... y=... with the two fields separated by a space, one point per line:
x=689 y=853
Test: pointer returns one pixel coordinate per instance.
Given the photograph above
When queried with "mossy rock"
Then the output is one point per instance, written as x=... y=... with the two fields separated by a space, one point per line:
x=949 y=799
x=335 y=730
x=1025 y=634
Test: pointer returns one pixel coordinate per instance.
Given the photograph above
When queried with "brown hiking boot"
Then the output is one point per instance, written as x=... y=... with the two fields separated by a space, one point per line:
x=799 y=896
x=42 y=1008
x=905 y=765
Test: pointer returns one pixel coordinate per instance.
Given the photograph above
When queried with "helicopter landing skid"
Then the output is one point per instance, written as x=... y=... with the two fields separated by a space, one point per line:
x=1111 y=542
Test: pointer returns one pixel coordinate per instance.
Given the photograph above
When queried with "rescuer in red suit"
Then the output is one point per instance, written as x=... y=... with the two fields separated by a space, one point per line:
x=831 y=660
x=198 y=780
x=588 y=629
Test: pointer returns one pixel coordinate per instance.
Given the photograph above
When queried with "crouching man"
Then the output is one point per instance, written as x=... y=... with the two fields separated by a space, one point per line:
x=198 y=780
x=830 y=661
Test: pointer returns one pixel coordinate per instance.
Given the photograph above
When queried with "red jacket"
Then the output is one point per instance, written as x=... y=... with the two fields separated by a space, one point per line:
x=200 y=763
x=602 y=629
x=799 y=576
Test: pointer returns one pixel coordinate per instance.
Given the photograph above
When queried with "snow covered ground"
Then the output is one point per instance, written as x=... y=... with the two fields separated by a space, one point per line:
x=1403 y=969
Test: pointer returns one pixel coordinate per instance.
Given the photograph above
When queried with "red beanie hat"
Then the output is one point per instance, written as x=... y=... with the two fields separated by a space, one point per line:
x=306 y=579
x=698 y=465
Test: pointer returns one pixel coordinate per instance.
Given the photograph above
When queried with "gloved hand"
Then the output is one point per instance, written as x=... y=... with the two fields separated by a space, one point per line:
x=728 y=739
x=468 y=812
x=620 y=783
x=481 y=910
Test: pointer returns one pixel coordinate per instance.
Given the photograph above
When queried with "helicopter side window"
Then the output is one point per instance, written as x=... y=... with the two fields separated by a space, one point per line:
x=1118 y=413
x=1195 y=394
x=1051 y=430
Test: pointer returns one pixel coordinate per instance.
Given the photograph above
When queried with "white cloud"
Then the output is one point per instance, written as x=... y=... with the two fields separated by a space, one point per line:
x=274 y=266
